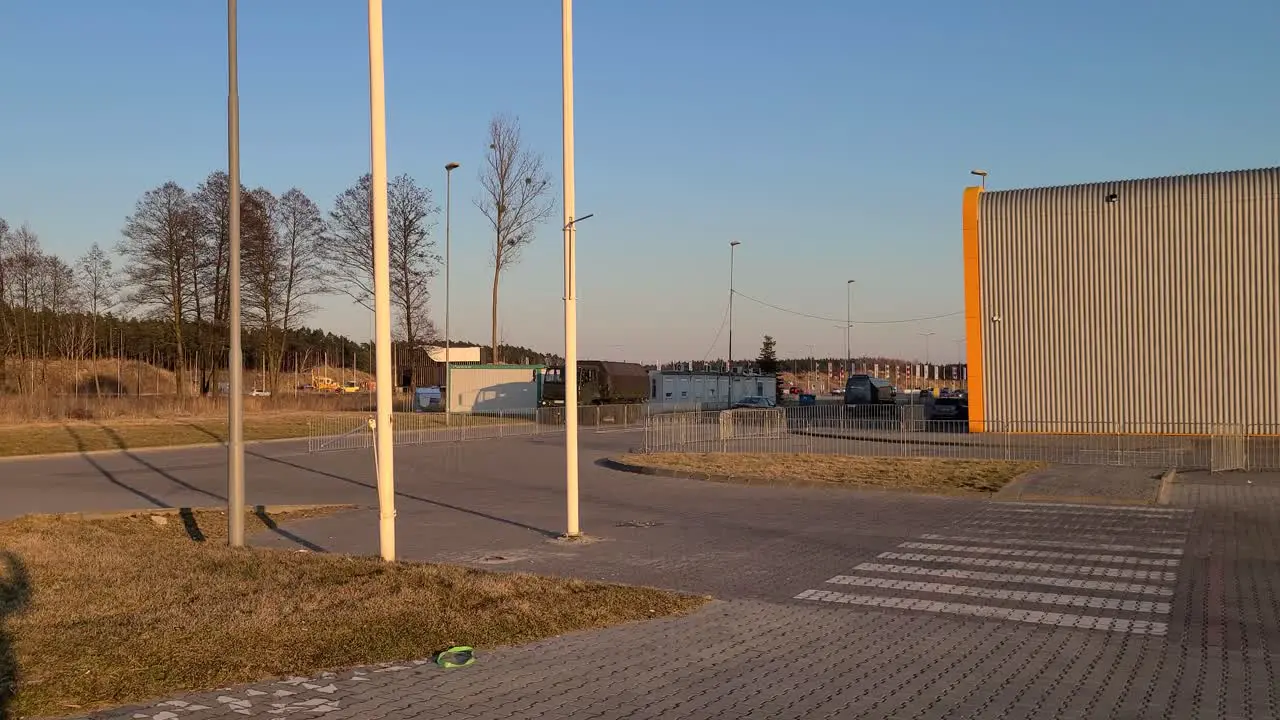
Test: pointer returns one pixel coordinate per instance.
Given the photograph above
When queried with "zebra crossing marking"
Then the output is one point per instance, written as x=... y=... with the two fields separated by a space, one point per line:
x=1113 y=547
x=940 y=564
x=1091 y=622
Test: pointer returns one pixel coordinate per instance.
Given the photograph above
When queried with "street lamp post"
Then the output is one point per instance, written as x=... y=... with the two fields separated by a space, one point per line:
x=926 y=336
x=848 y=329
x=384 y=440
x=813 y=367
x=448 y=213
x=235 y=361
x=733 y=244
x=982 y=174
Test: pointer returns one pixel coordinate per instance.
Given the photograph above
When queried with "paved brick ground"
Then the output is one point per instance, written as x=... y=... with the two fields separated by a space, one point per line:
x=1088 y=483
x=834 y=604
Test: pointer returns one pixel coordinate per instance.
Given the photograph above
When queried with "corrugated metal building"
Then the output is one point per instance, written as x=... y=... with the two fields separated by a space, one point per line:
x=1142 y=306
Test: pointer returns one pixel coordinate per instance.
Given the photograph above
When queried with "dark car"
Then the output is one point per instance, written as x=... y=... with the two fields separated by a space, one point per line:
x=949 y=413
x=754 y=402
x=869 y=390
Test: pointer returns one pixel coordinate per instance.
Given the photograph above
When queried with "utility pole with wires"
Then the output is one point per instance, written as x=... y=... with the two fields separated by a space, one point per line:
x=733 y=244
x=848 y=330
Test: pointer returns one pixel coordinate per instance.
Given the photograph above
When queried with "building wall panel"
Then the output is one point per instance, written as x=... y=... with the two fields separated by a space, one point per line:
x=493 y=388
x=1156 y=312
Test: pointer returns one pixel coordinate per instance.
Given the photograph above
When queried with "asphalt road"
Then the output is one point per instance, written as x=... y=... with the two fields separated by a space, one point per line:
x=501 y=502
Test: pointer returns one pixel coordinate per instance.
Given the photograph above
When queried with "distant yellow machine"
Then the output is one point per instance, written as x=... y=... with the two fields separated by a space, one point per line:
x=349 y=387
x=324 y=384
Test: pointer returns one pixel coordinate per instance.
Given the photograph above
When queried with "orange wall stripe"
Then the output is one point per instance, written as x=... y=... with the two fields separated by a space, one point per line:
x=973 y=308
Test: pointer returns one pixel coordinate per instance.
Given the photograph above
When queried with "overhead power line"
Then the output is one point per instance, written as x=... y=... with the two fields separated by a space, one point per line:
x=842 y=321
x=724 y=319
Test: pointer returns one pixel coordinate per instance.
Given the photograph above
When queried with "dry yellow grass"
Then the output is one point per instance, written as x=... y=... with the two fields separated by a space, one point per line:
x=47 y=438
x=934 y=475
x=107 y=376
x=97 y=612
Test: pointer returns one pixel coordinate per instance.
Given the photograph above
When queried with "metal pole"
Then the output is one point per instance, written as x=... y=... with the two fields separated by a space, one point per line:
x=927 y=363
x=448 y=214
x=570 y=277
x=848 y=330
x=235 y=421
x=384 y=440
x=732 y=246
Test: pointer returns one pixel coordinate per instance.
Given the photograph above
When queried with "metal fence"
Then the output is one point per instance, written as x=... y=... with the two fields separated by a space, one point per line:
x=354 y=430
x=916 y=431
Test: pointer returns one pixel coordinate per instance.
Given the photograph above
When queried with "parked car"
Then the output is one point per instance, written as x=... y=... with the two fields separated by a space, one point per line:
x=868 y=390
x=753 y=402
x=260 y=393
x=948 y=413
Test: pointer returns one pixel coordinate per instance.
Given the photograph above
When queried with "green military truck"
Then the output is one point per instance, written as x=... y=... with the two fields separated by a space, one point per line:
x=600 y=382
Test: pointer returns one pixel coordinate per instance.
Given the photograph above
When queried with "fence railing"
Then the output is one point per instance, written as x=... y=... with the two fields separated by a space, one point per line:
x=917 y=431
x=353 y=430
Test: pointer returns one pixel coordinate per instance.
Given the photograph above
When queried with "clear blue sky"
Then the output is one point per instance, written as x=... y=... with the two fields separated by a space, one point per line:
x=832 y=138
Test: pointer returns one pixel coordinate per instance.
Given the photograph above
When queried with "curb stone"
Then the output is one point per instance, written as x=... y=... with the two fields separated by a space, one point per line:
x=613 y=464
x=1167 y=481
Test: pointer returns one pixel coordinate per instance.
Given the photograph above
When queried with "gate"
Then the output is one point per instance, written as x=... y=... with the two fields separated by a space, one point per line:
x=1228 y=449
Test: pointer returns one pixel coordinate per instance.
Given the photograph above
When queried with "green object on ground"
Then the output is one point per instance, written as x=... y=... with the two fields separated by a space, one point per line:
x=455 y=657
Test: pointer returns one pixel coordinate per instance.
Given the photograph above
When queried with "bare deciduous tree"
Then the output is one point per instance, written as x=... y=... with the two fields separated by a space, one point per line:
x=514 y=197
x=8 y=333
x=23 y=260
x=98 y=292
x=159 y=245
x=209 y=269
x=413 y=258
x=281 y=268
x=348 y=249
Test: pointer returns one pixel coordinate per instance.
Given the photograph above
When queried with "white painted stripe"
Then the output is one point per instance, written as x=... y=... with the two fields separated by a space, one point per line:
x=1084 y=601
x=1073 y=527
x=1110 y=536
x=1142 y=524
x=1101 y=508
x=1147 y=575
x=1074 y=583
x=1086 y=622
x=1173 y=516
x=1017 y=552
x=1057 y=543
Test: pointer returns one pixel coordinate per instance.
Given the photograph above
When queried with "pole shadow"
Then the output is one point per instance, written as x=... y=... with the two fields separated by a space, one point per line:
x=15 y=593
x=206 y=431
x=409 y=496
x=260 y=512
x=124 y=448
x=104 y=472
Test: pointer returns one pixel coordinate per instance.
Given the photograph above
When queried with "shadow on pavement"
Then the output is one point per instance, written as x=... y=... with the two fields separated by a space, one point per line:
x=15 y=592
x=409 y=496
x=111 y=478
x=120 y=444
